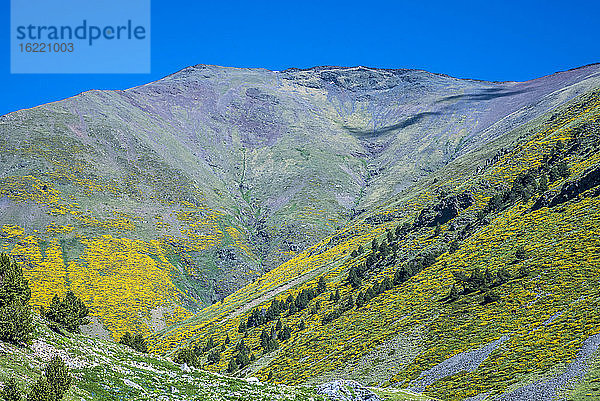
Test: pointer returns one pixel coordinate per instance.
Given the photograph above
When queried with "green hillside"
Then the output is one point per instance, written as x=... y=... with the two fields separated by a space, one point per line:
x=412 y=231
x=530 y=222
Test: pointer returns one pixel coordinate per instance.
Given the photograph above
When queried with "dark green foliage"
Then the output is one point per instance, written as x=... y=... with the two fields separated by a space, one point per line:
x=14 y=287
x=360 y=250
x=453 y=246
x=53 y=384
x=269 y=340
x=490 y=296
x=520 y=253
x=523 y=271
x=58 y=377
x=526 y=185
x=285 y=333
x=227 y=340
x=187 y=356
x=353 y=278
x=214 y=356
x=560 y=170
x=41 y=391
x=136 y=341
x=242 y=327
x=242 y=359
x=438 y=230
x=321 y=286
x=210 y=344
x=453 y=294
x=543 y=183
x=374 y=245
x=477 y=280
x=360 y=299
x=232 y=366
x=69 y=312
x=292 y=305
x=11 y=391
x=302 y=325
x=16 y=322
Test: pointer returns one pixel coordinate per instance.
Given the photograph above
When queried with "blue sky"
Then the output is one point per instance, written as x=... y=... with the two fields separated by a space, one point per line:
x=502 y=40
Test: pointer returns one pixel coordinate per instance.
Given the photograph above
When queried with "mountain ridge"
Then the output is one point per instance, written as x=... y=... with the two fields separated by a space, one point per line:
x=176 y=207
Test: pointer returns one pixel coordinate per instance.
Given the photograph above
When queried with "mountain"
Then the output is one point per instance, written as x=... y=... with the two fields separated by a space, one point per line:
x=239 y=187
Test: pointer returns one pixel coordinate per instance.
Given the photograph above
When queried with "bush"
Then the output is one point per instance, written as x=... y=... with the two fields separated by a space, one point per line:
x=11 y=391
x=15 y=314
x=69 y=312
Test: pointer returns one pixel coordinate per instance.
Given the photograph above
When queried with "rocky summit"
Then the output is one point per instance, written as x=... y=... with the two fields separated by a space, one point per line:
x=424 y=235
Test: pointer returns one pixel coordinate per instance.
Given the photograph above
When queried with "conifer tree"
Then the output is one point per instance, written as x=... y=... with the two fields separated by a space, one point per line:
x=11 y=391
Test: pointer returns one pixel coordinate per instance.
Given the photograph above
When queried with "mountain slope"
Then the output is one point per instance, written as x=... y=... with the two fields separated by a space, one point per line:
x=531 y=333
x=153 y=202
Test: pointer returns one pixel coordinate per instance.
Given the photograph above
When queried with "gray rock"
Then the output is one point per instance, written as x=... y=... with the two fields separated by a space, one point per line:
x=346 y=390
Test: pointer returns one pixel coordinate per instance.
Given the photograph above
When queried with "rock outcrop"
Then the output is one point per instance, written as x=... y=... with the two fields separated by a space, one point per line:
x=346 y=390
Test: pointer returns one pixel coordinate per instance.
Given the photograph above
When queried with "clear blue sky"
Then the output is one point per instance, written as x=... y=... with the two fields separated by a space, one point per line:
x=491 y=40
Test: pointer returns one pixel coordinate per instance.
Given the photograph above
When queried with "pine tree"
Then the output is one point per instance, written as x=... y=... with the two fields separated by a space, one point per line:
x=242 y=327
x=321 y=285
x=543 y=184
x=11 y=391
x=438 y=230
x=138 y=343
x=353 y=278
x=374 y=245
x=210 y=344
x=232 y=367
x=16 y=321
x=69 y=312
x=41 y=391
x=58 y=377
x=214 y=356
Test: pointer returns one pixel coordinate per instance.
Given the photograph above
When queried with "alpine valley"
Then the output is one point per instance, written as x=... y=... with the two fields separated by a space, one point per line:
x=426 y=236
